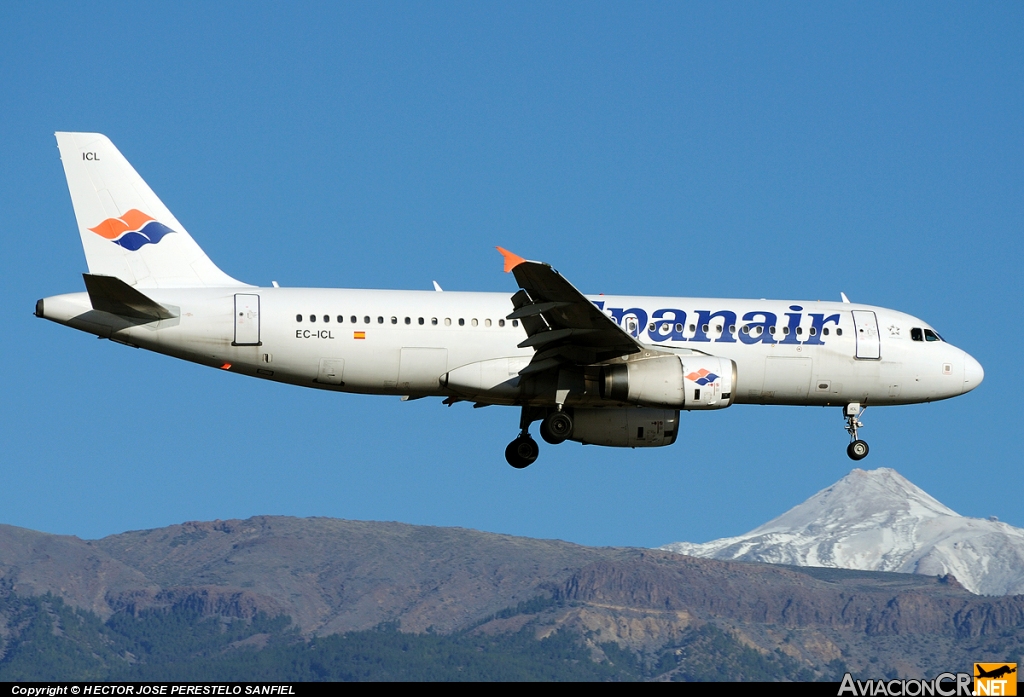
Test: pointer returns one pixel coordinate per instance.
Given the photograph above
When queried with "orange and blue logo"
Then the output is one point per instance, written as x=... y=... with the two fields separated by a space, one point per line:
x=133 y=230
x=702 y=377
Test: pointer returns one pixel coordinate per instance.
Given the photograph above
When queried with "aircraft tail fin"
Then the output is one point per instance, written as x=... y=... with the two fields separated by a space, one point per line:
x=126 y=230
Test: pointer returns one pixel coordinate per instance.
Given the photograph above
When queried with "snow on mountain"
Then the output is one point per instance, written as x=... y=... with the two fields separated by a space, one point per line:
x=878 y=521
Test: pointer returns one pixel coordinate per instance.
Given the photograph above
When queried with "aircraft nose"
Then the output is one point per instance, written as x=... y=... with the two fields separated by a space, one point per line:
x=973 y=373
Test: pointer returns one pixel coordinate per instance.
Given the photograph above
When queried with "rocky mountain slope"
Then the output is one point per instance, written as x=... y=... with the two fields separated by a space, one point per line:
x=879 y=521
x=334 y=576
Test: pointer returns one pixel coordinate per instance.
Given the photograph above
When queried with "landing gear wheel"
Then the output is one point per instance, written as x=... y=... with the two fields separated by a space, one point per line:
x=857 y=450
x=556 y=428
x=522 y=452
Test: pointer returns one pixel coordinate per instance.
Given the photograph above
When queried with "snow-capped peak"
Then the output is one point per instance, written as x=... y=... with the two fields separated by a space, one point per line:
x=881 y=496
x=878 y=520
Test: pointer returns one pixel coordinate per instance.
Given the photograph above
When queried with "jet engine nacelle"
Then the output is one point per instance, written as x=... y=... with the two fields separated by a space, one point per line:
x=625 y=427
x=687 y=382
x=710 y=382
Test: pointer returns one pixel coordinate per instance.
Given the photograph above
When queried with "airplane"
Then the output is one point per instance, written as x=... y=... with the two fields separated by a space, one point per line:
x=601 y=370
x=994 y=673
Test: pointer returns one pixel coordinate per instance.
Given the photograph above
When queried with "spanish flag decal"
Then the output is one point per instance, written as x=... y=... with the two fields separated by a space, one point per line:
x=358 y=335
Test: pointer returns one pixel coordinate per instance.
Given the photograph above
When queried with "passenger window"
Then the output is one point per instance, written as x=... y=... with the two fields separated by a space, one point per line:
x=745 y=329
x=916 y=335
x=799 y=330
x=312 y=318
x=704 y=328
x=298 y=318
x=693 y=327
x=771 y=330
x=515 y=323
x=812 y=331
x=825 y=331
x=408 y=320
x=394 y=320
x=380 y=320
x=352 y=319
x=420 y=320
x=785 y=331
x=462 y=322
x=679 y=328
x=732 y=328
x=652 y=327
x=341 y=319
x=366 y=319
x=501 y=323
x=447 y=321
x=929 y=335
x=327 y=319
x=433 y=321
x=475 y=323
x=839 y=331
x=487 y=322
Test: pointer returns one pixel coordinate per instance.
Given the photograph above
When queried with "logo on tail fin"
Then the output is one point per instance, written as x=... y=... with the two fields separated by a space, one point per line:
x=133 y=230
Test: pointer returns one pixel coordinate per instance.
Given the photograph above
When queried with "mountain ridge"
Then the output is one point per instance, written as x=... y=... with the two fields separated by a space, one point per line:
x=333 y=577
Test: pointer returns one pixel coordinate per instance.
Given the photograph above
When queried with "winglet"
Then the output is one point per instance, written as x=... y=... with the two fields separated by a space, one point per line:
x=511 y=260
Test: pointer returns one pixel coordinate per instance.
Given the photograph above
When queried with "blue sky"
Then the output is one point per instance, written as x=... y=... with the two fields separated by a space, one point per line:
x=745 y=150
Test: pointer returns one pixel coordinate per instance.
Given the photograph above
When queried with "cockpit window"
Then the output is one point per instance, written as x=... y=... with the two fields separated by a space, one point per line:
x=929 y=335
x=916 y=334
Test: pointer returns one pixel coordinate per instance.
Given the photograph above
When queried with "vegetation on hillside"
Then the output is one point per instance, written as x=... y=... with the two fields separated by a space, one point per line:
x=45 y=639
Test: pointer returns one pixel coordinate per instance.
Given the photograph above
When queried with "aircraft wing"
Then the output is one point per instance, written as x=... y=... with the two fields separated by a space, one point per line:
x=560 y=323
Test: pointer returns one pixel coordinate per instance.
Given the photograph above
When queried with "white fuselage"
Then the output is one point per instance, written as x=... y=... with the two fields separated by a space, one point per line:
x=407 y=342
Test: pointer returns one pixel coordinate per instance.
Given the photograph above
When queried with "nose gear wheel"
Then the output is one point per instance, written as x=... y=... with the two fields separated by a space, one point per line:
x=857 y=450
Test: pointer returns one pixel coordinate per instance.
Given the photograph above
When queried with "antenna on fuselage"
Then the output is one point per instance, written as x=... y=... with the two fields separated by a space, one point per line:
x=437 y=287
x=843 y=296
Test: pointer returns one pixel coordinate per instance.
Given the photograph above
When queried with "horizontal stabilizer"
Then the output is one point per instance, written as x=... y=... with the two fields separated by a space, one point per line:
x=111 y=294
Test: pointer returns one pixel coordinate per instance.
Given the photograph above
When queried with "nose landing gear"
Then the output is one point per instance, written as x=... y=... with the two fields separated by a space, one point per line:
x=857 y=449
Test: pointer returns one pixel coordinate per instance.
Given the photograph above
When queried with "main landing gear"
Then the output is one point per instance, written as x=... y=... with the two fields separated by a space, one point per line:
x=857 y=449
x=555 y=428
x=523 y=451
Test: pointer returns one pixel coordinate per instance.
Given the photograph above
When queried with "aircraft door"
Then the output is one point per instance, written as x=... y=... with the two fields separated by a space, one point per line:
x=865 y=325
x=247 y=320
